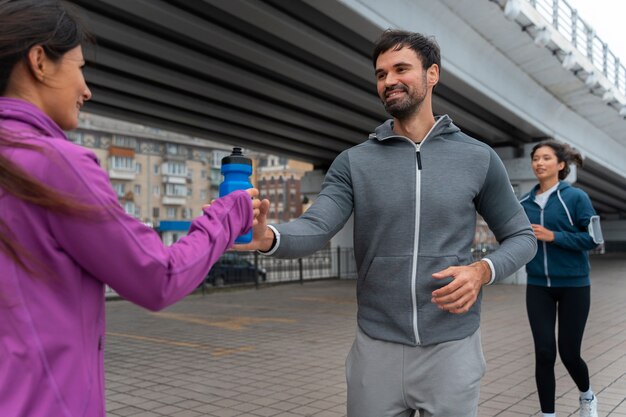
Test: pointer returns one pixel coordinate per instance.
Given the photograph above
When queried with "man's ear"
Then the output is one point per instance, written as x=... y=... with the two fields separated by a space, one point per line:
x=36 y=60
x=432 y=75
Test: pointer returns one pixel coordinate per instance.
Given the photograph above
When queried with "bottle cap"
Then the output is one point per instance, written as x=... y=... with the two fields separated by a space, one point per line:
x=236 y=157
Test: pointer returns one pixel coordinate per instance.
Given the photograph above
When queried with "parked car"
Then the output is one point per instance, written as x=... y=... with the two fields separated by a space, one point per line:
x=232 y=269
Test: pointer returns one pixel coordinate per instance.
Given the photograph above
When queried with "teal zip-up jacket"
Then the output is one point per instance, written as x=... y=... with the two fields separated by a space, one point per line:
x=414 y=211
x=563 y=262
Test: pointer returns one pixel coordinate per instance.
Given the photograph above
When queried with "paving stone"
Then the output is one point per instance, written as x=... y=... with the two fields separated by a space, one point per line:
x=280 y=352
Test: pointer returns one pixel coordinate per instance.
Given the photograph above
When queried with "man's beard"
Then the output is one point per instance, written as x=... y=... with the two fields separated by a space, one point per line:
x=405 y=107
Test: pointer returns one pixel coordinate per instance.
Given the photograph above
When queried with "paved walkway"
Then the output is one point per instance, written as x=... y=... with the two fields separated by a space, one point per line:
x=280 y=352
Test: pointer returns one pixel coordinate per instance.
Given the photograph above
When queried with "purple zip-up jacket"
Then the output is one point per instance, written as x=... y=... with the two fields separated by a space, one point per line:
x=52 y=322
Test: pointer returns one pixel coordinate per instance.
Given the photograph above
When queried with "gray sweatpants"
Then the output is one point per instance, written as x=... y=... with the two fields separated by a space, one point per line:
x=393 y=380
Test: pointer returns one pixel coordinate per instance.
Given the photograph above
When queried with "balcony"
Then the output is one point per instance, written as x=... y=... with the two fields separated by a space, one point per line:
x=122 y=164
x=173 y=200
x=173 y=179
x=122 y=174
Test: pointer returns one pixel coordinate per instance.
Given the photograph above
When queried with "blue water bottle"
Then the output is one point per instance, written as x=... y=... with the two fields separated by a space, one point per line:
x=236 y=170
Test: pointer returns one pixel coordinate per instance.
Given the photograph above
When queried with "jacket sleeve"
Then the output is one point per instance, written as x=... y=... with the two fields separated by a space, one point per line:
x=130 y=257
x=579 y=239
x=326 y=216
x=497 y=204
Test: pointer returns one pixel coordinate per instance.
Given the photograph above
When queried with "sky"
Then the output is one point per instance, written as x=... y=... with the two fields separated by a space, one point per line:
x=607 y=18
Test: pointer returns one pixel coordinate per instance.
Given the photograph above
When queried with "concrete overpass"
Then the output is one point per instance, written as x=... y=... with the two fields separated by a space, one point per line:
x=295 y=77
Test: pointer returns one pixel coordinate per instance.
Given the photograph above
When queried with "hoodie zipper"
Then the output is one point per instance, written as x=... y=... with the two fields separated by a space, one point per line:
x=545 y=254
x=418 y=183
x=419 y=159
x=418 y=193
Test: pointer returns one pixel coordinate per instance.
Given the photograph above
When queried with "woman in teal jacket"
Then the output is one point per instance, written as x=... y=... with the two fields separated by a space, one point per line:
x=563 y=221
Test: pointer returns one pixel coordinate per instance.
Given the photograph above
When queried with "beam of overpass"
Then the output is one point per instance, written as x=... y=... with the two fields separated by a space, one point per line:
x=295 y=77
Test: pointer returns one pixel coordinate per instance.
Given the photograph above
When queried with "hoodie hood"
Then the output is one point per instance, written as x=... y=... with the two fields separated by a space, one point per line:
x=562 y=185
x=443 y=126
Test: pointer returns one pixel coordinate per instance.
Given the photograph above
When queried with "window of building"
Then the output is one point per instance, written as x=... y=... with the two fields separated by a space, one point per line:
x=171 y=149
x=171 y=212
x=203 y=174
x=156 y=169
x=76 y=137
x=122 y=163
x=137 y=167
x=187 y=214
x=175 y=149
x=137 y=189
x=203 y=195
x=129 y=208
x=217 y=157
x=216 y=176
x=155 y=212
x=138 y=212
x=124 y=141
x=119 y=188
x=175 y=190
x=175 y=168
x=156 y=190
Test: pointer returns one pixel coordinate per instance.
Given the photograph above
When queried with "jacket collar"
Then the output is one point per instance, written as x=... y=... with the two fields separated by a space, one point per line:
x=443 y=125
x=562 y=185
x=13 y=109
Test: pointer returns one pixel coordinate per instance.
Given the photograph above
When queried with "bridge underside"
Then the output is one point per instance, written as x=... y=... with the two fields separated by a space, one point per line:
x=288 y=77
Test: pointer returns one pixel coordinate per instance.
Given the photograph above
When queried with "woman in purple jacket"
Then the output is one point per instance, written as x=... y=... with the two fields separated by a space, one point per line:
x=63 y=234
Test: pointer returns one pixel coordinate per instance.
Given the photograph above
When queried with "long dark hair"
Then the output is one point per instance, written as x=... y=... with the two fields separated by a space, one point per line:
x=564 y=153
x=55 y=26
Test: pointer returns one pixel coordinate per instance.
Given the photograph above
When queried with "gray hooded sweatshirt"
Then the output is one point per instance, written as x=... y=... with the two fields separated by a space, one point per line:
x=414 y=214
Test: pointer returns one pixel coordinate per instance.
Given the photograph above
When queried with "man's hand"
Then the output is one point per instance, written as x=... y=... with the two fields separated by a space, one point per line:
x=461 y=294
x=541 y=233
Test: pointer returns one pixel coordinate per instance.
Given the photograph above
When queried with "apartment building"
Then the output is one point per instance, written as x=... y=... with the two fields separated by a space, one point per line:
x=164 y=178
x=279 y=180
x=161 y=178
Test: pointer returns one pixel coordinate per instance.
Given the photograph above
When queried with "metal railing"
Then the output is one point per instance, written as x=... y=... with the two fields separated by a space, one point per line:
x=325 y=263
x=328 y=263
x=567 y=22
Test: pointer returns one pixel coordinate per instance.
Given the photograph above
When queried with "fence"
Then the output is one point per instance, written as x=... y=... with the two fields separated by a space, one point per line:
x=324 y=264
x=328 y=263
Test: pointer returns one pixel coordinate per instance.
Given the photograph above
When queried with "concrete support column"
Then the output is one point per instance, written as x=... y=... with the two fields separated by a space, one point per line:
x=311 y=184
x=614 y=232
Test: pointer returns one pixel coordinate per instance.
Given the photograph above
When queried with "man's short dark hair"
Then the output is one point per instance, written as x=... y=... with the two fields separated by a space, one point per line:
x=425 y=47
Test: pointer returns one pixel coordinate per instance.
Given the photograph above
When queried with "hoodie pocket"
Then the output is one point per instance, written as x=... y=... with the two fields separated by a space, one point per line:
x=436 y=325
x=385 y=293
x=427 y=265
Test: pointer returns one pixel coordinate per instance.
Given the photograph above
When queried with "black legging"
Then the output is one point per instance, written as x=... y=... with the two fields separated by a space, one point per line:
x=572 y=304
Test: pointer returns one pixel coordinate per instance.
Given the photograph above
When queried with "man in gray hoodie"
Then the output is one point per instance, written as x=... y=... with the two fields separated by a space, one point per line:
x=414 y=187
